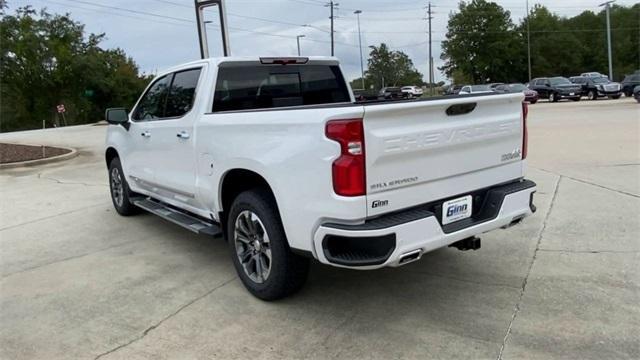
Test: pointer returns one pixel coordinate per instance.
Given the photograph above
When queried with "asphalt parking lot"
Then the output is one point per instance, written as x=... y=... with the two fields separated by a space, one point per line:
x=78 y=281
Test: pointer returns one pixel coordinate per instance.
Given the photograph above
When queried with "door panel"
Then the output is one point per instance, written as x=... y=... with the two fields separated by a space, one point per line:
x=172 y=146
x=138 y=164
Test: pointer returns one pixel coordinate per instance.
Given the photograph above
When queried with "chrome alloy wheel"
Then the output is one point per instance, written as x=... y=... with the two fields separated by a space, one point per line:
x=117 y=187
x=253 y=247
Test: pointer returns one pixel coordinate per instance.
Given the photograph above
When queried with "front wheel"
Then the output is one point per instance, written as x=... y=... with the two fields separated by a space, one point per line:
x=592 y=95
x=260 y=250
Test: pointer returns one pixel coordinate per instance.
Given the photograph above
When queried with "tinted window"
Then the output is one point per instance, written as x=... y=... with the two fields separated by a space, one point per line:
x=515 y=88
x=261 y=87
x=480 y=88
x=559 y=81
x=182 y=92
x=152 y=104
x=601 y=80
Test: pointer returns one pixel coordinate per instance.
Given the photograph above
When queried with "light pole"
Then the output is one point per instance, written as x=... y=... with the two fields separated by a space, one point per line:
x=607 y=8
x=529 y=39
x=204 y=29
x=358 y=12
x=298 y=41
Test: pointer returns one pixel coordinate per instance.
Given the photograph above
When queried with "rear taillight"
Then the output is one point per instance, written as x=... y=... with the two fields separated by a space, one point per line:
x=349 y=178
x=525 y=132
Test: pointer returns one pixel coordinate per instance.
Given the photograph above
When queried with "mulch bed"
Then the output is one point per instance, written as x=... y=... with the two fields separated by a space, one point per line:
x=11 y=153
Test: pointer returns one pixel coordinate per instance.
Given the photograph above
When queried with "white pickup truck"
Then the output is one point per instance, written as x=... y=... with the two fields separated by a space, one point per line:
x=275 y=155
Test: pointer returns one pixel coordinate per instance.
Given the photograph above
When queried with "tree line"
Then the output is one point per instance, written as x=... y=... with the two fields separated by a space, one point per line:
x=484 y=45
x=46 y=60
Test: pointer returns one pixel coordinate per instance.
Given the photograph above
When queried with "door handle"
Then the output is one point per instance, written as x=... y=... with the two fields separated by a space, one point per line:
x=146 y=134
x=183 y=135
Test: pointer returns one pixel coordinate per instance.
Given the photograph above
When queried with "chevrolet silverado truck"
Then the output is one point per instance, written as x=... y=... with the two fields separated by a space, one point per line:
x=275 y=155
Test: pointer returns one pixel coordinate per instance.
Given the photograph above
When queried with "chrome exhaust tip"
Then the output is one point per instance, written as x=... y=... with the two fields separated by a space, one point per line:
x=410 y=257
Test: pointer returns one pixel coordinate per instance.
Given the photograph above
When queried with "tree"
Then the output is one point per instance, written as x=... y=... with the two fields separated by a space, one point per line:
x=47 y=60
x=482 y=45
x=390 y=68
x=569 y=46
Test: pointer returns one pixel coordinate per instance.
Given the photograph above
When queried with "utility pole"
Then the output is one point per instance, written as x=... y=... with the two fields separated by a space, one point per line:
x=332 y=5
x=298 y=41
x=529 y=40
x=429 y=18
x=607 y=8
x=358 y=12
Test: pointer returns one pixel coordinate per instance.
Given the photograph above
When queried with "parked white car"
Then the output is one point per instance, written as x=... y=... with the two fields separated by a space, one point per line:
x=475 y=89
x=412 y=91
x=593 y=75
x=275 y=155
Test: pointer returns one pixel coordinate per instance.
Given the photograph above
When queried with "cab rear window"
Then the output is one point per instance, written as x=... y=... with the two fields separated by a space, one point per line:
x=272 y=86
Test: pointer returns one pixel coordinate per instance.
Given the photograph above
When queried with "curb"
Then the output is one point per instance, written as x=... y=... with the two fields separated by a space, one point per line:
x=70 y=155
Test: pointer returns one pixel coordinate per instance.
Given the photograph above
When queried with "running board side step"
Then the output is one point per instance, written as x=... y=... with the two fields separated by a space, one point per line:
x=178 y=217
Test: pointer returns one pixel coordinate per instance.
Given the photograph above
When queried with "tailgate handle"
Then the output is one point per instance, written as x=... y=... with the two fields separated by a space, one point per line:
x=461 y=109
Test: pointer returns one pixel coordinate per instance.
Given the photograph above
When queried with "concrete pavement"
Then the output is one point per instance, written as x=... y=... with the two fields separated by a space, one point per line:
x=78 y=281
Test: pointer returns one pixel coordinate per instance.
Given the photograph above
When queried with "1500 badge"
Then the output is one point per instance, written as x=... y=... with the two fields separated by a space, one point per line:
x=515 y=154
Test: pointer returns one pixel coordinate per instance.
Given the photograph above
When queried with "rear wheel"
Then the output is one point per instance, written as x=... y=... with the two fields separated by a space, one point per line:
x=120 y=193
x=553 y=97
x=260 y=250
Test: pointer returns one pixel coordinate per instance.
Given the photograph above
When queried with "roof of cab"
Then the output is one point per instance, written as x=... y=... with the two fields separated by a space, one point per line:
x=216 y=61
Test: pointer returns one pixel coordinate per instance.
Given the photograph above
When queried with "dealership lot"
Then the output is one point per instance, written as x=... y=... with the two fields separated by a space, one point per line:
x=78 y=281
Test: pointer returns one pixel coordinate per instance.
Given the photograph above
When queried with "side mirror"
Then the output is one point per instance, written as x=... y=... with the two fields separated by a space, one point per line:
x=117 y=116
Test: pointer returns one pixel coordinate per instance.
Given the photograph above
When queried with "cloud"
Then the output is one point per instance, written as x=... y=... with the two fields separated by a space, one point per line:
x=157 y=42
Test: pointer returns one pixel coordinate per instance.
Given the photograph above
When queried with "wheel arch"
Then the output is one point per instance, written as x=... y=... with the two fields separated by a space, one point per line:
x=236 y=181
x=111 y=154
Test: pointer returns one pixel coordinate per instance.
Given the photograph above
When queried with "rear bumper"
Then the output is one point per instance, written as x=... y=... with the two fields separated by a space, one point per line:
x=388 y=239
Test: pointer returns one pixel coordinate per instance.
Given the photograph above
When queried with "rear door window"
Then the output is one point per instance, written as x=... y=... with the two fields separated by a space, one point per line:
x=250 y=87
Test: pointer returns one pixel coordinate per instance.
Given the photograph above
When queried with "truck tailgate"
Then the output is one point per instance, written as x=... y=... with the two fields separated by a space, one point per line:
x=422 y=151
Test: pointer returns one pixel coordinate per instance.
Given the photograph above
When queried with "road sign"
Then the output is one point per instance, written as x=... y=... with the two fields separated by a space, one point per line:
x=61 y=109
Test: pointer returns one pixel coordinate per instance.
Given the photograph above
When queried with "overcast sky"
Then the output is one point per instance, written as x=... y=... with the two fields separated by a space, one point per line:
x=162 y=33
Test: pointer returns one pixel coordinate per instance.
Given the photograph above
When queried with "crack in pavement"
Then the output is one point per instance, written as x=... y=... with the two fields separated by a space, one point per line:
x=464 y=280
x=155 y=326
x=63 y=260
x=50 y=217
x=622 y=192
x=516 y=309
x=40 y=176
x=592 y=251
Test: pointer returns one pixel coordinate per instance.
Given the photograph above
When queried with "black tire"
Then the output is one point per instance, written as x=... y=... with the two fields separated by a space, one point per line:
x=122 y=204
x=553 y=97
x=287 y=272
x=592 y=95
x=533 y=102
x=616 y=97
